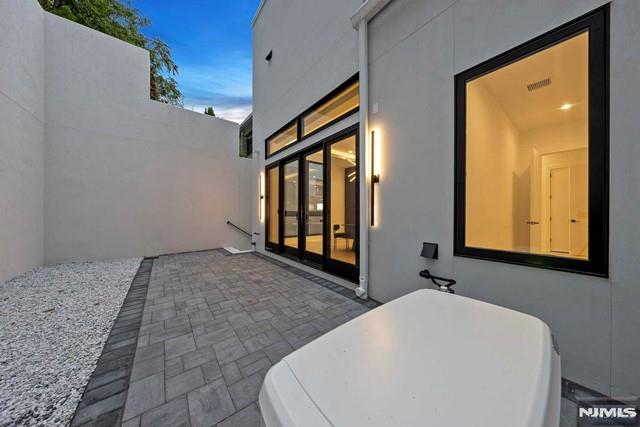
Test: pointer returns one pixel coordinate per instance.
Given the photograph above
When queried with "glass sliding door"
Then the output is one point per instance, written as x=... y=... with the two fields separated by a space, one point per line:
x=291 y=209
x=313 y=205
x=343 y=211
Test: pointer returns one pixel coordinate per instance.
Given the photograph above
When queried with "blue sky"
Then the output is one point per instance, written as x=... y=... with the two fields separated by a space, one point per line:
x=211 y=42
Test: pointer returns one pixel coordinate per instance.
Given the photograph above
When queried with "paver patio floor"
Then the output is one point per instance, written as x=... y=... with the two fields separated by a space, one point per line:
x=212 y=326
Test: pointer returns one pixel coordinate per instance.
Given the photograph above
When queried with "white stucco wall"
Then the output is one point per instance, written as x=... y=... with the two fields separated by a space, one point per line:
x=124 y=175
x=416 y=49
x=21 y=136
x=90 y=167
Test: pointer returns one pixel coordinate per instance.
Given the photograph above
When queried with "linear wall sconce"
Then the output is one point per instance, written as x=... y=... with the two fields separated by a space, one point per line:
x=261 y=201
x=375 y=175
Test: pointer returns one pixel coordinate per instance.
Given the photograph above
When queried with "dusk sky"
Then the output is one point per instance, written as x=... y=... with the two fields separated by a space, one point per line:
x=211 y=42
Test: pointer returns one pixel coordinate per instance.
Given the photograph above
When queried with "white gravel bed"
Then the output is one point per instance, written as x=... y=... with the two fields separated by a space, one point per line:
x=53 y=324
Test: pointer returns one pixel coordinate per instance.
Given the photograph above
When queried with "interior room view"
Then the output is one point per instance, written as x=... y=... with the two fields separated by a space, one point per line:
x=527 y=153
x=342 y=209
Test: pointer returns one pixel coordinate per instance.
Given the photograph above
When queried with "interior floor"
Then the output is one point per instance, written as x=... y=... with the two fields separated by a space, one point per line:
x=341 y=250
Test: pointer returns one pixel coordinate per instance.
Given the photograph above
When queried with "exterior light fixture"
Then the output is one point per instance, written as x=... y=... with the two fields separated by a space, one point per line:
x=261 y=200
x=375 y=174
x=566 y=107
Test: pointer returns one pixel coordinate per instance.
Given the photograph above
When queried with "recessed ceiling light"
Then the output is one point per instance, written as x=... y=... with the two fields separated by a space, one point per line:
x=566 y=107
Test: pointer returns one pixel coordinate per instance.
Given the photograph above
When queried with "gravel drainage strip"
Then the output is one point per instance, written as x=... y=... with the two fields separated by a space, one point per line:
x=104 y=397
x=53 y=324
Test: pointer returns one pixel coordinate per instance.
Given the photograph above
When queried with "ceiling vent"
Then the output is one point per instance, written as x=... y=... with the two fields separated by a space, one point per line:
x=539 y=84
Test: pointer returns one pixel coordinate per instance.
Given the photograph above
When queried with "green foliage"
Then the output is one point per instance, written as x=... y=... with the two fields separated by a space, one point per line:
x=124 y=22
x=209 y=111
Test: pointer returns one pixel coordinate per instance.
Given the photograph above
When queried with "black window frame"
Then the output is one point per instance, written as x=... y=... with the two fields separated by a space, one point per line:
x=276 y=133
x=597 y=23
x=298 y=120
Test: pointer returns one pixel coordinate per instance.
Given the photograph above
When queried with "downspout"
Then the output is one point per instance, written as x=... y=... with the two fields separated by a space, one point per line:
x=362 y=290
x=359 y=20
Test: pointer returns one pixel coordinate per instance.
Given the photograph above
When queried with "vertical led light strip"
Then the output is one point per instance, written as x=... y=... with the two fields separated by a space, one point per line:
x=375 y=178
x=261 y=201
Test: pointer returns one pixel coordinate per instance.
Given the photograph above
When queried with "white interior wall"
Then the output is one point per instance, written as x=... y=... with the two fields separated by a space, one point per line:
x=492 y=147
x=21 y=137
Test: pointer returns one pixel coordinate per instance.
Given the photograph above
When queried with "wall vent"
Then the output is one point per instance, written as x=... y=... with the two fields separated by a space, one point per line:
x=539 y=84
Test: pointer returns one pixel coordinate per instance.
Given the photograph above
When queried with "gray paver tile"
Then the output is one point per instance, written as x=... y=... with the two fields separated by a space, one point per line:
x=149 y=351
x=229 y=350
x=250 y=358
x=184 y=382
x=231 y=373
x=214 y=336
x=172 y=414
x=246 y=390
x=144 y=395
x=147 y=367
x=197 y=357
x=211 y=371
x=174 y=347
x=173 y=367
x=210 y=404
x=133 y=422
x=248 y=417
x=278 y=350
x=257 y=366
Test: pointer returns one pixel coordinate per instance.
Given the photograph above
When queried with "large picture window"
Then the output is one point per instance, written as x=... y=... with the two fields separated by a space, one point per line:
x=532 y=152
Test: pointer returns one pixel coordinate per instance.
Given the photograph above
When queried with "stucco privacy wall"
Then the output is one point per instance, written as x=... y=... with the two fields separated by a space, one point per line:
x=126 y=176
x=416 y=48
x=21 y=136
x=90 y=167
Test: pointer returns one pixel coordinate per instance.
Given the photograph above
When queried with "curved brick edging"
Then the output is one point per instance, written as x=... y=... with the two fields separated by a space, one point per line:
x=103 y=400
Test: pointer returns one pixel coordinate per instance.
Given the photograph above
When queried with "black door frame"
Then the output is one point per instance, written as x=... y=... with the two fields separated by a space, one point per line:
x=304 y=206
x=323 y=261
x=282 y=210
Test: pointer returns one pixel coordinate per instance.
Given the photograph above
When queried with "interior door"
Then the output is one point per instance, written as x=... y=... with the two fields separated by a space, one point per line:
x=313 y=205
x=290 y=206
x=560 y=210
x=579 y=211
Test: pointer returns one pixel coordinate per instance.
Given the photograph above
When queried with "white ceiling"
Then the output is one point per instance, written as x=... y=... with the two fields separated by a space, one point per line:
x=565 y=64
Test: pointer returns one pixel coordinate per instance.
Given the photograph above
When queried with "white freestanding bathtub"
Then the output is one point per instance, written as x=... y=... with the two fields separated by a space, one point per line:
x=426 y=359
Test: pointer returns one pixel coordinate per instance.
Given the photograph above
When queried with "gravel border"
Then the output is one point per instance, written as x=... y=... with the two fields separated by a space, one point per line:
x=53 y=325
